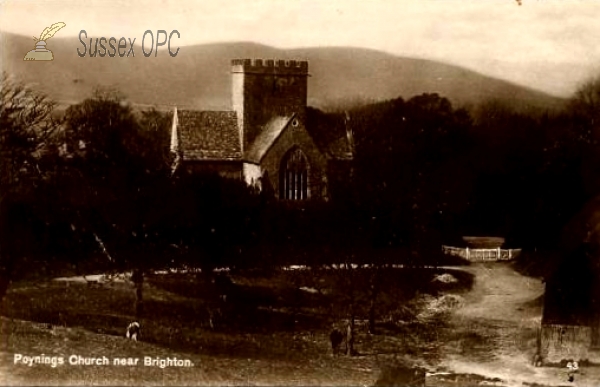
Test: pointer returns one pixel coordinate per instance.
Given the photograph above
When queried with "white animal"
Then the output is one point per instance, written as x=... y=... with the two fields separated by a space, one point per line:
x=133 y=331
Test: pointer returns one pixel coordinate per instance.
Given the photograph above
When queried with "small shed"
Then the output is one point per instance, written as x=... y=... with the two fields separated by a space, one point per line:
x=571 y=319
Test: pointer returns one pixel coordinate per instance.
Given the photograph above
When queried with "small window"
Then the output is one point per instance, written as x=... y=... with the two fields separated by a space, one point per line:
x=295 y=122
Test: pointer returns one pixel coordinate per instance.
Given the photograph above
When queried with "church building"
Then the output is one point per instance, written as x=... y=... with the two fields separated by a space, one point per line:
x=266 y=138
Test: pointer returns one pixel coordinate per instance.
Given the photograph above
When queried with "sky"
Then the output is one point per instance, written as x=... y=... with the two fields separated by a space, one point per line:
x=550 y=45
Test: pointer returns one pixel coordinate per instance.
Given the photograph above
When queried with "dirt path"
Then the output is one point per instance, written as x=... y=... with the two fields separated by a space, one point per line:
x=494 y=333
x=501 y=293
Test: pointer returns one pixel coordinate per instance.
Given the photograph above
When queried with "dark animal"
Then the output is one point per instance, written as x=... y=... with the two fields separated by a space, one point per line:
x=224 y=287
x=133 y=331
x=336 y=337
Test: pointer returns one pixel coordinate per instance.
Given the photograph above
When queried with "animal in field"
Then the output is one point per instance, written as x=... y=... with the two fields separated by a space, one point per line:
x=215 y=315
x=223 y=286
x=133 y=331
x=336 y=337
x=537 y=360
x=573 y=368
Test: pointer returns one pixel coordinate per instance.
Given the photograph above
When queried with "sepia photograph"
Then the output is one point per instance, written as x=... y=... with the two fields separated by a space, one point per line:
x=300 y=193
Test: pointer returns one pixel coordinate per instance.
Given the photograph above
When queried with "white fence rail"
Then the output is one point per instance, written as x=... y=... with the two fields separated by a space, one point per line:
x=479 y=255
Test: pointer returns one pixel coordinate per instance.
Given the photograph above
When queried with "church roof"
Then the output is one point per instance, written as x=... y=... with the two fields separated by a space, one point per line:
x=267 y=136
x=208 y=135
x=214 y=136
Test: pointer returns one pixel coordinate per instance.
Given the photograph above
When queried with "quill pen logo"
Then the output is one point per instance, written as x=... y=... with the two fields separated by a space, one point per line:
x=40 y=52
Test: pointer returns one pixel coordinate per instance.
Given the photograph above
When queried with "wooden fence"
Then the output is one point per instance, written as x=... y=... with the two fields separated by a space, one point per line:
x=481 y=255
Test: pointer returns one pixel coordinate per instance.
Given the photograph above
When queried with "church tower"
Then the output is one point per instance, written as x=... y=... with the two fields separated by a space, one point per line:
x=263 y=90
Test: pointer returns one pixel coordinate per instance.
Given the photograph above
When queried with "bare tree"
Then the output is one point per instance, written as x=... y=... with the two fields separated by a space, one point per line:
x=26 y=127
x=586 y=99
x=584 y=111
x=26 y=132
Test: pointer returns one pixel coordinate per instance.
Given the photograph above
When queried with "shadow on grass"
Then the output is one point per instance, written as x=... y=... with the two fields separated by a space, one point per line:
x=401 y=376
x=268 y=316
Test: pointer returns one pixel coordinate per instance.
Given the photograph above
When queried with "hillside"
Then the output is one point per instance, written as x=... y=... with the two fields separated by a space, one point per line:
x=199 y=76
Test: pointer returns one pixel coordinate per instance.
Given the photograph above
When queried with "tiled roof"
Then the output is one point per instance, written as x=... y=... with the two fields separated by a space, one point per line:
x=208 y=135
x=213 y=135
x=269 y=133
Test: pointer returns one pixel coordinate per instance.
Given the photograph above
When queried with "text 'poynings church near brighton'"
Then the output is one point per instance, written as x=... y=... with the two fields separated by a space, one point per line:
x=267 y=138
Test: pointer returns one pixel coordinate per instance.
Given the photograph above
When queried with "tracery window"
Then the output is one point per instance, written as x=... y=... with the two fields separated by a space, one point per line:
x=293 y=181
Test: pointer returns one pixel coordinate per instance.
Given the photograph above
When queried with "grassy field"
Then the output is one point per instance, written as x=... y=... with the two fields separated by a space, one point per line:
x=470 y=326
x=273 y=328
x=35 y=339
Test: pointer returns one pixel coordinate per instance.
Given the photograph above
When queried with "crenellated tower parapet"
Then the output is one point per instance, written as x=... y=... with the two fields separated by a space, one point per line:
x=269 y=66
x=264 y=89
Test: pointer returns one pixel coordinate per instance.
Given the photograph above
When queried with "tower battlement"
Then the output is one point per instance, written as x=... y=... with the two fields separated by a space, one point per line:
x=269 y=66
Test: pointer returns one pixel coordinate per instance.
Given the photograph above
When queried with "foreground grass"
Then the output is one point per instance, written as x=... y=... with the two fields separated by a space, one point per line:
x=33 y=339
x=279 y=336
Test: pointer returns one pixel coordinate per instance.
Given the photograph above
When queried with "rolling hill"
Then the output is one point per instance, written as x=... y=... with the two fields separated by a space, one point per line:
x=199 y=76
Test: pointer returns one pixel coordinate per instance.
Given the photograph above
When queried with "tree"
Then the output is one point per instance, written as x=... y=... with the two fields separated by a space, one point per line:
x=586 y=100
x=524 y=160
x=584 y=110
x=408 y=168
x=212 y=221
x=411 y=168
x=123 y=167
x=27 y=127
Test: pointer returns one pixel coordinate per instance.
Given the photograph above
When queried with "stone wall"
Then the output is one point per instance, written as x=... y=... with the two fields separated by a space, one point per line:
x=228 y=169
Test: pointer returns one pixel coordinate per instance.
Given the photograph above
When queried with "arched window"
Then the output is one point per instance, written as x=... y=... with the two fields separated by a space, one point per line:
x=293 y=180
